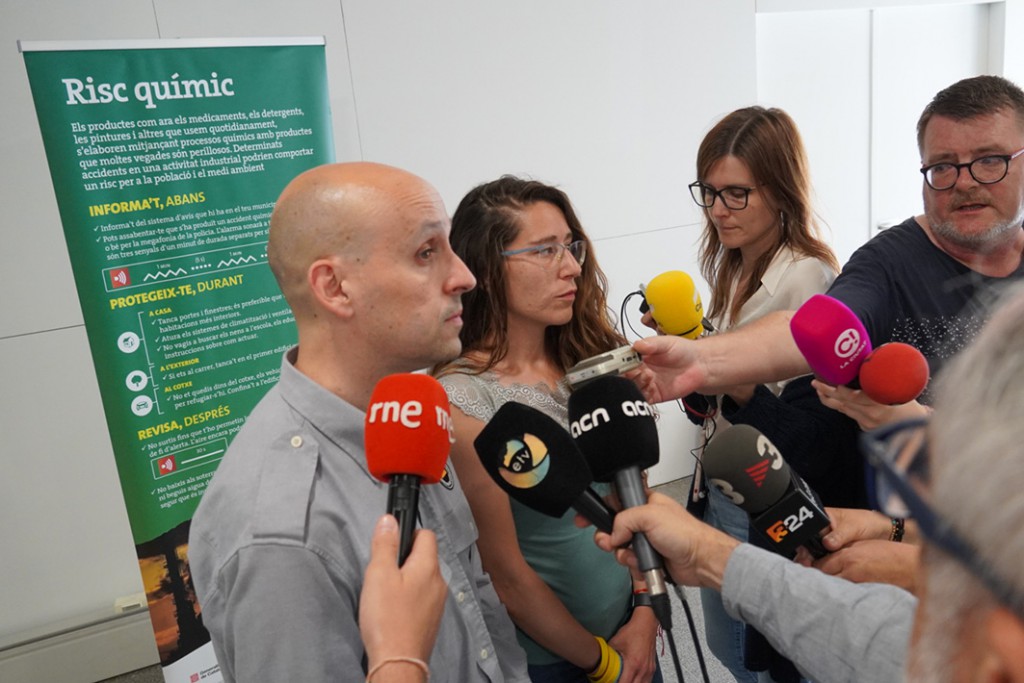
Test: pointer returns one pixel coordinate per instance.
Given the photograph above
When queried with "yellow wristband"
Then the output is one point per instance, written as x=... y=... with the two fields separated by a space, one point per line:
x=609 y=667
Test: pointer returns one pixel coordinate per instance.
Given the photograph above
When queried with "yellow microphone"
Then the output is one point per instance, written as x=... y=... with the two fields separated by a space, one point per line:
x=675 y=304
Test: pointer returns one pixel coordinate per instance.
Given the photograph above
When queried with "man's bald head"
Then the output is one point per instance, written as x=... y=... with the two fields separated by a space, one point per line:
x=334 y=210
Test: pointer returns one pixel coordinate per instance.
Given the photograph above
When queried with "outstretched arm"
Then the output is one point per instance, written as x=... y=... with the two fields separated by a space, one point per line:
x=758 y=352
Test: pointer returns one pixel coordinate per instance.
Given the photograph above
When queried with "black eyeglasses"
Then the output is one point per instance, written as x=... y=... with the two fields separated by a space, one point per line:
x=986 y=170
x=898 y=486
x=733 y=196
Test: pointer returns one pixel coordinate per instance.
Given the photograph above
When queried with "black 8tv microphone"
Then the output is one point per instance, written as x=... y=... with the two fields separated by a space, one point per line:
x=615 y=429
x=745 y=465
x=535 y=461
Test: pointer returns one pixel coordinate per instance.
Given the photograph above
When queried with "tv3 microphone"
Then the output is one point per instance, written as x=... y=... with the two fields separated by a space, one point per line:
x=407 y=439
x=615 y=429
x=831 y=338
x=535 y=461
x=745 y=465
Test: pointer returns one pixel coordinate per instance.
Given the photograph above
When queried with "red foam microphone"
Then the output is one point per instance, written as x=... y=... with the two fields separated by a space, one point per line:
x=831 y=337
x=407 y=439
x=894 y=373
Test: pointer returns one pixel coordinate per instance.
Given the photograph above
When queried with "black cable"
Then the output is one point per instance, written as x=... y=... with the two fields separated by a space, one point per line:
x=625 y=318
x=675 y=656
x=693 y=634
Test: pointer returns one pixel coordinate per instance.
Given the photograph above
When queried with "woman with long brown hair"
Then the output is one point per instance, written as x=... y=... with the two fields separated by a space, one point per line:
x=761 y=251
x=539 y=308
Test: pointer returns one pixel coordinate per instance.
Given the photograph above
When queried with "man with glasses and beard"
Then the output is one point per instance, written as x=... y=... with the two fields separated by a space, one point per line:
x=916 y=282
x=923 y=283
x=958 y=474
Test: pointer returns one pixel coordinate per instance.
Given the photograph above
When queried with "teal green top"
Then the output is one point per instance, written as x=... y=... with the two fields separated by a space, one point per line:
x=595 y=588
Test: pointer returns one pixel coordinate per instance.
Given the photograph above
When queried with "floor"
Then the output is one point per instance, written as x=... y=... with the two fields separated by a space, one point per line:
x=689 y=663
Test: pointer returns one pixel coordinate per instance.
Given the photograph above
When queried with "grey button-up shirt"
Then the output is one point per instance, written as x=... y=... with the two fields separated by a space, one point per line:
x=833 y=630
x=281 y=539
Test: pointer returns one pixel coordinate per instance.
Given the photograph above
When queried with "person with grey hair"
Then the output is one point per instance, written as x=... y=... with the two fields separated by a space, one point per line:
x=969 y=622
x=971 y=618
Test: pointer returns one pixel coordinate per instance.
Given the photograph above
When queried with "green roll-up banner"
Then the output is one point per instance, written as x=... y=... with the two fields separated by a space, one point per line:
x=166 y=158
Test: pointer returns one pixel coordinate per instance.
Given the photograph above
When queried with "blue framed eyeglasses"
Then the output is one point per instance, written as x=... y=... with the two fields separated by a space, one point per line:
x=552 y=252
x=898 y=486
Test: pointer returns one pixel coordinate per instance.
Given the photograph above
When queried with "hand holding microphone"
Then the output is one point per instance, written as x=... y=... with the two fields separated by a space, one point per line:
x=400 y=608
x=891 y=378
x=745 y=466
x=614 y=427
x=407 y=440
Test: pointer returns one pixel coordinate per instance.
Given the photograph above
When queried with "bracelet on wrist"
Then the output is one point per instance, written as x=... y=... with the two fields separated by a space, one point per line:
x=418 y=663
x=609 y=667
x=898 y=527
x=641 y=598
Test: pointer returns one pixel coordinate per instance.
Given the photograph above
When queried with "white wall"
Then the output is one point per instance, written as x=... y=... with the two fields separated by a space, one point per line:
x=597 y=97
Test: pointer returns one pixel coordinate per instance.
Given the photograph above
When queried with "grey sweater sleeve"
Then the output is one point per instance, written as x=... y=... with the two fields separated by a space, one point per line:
x=833 y=630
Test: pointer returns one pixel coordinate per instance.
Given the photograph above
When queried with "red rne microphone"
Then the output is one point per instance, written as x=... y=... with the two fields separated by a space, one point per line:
x=831 y=338
x=894 y=373
x=407 y=440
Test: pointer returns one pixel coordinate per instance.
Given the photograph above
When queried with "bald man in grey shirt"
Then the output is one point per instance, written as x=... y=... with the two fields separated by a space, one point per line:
x=281 y=538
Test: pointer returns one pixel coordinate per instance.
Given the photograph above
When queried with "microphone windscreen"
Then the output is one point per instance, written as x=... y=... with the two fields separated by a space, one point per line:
x=408 y=428
x=533 y=459
x=752 y=470
x=894 y=373
x=614 y=426
x=831 y=337
x=675 y=304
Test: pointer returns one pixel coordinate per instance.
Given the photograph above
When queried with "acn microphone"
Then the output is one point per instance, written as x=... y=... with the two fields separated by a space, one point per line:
x=407 y=440
x=614 y=427
x=831 y=338
x=535 y=461
x=747 y=467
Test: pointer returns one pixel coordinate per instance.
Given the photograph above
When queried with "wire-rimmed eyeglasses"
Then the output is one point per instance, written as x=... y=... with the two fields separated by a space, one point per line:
x=552 y=253
x=898 y=486
x=734 y=197
x=987 y=170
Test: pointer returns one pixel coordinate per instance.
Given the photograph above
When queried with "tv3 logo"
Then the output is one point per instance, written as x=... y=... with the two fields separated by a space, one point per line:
x=789 y=524
x=756 y=473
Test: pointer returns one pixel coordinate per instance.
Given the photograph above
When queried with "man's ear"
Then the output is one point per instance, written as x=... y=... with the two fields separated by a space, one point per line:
x=328 y=285
x=1006 y=635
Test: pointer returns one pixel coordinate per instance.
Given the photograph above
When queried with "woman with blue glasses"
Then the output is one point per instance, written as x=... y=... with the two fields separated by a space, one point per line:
x=538 y=309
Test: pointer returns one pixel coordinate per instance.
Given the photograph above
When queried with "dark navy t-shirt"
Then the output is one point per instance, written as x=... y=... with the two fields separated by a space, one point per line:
x=905 y=289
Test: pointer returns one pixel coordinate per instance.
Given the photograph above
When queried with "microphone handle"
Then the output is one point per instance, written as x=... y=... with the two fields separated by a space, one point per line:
x=591 y=506
x=630 y=487
x=403 y=499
